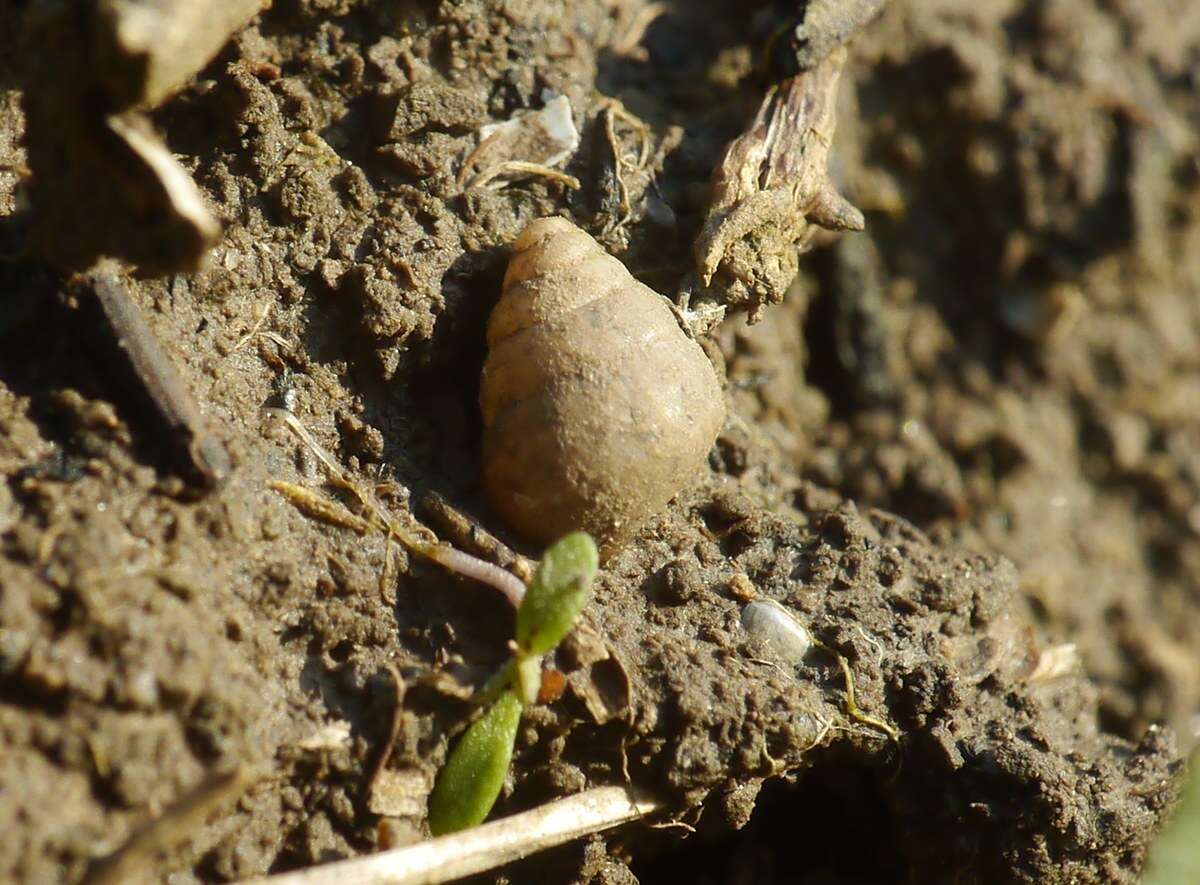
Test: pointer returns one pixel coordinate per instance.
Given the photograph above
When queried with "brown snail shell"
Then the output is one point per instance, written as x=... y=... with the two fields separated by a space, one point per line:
x=597 y=407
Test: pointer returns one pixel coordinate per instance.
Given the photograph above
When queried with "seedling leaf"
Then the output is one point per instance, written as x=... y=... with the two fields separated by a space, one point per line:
x=527 y=678
x=470 y=781
x=559 y=591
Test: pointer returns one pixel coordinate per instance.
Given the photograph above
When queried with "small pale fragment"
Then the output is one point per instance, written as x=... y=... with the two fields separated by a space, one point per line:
x=1056 y=661
x=330 y=736
x=400 y=793
x=771 y=625
x=742 y=588
x=543 y=138
x=178 y=196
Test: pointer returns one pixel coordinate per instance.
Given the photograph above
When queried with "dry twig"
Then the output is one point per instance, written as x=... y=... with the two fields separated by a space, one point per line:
x=416 y=538
x=485 y=847
x=160 y=379
x=466 y=534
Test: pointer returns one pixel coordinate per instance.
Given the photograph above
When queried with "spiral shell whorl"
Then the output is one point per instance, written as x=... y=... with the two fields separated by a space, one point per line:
x=555 y=269
x=597 y=407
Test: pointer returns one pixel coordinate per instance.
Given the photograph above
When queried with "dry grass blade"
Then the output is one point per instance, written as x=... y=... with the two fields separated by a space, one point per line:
x=483 y=848
x=521 y=168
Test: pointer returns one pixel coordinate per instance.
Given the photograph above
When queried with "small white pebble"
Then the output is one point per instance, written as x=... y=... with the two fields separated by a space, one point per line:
x=143 y=689
x=771 y=625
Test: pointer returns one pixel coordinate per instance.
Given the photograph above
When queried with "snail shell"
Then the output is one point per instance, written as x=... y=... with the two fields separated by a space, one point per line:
x=771 y=625
x=597 y=407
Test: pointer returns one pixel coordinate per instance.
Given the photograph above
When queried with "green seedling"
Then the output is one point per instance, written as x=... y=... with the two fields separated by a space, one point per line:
x=1174 y=858
x=557 y=595
x=470 y=781
x=559 y=591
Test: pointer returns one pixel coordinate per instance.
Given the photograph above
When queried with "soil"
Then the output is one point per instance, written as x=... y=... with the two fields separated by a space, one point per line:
x=968 y=439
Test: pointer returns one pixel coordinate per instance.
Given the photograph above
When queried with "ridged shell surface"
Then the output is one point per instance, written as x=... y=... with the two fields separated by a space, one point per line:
x=597 y=407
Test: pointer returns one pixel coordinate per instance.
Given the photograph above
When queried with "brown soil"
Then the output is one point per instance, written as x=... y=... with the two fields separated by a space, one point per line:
x=969 y=436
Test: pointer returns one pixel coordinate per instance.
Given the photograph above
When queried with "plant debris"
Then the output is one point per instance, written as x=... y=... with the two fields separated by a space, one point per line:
x=530 y=143
x=770 y=190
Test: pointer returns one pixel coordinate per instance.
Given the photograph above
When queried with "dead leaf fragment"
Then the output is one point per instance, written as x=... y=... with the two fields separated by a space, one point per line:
x=145 y=50
x=771 y=188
